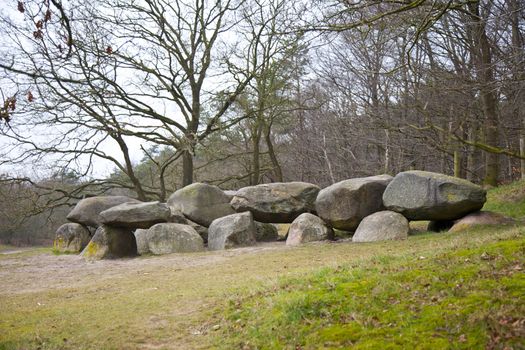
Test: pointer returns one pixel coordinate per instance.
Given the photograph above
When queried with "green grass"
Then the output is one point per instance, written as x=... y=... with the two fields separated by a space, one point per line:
x=508 y=200
x=461 y=299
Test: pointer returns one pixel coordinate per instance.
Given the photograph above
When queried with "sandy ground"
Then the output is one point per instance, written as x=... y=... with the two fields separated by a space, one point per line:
x=21 y=272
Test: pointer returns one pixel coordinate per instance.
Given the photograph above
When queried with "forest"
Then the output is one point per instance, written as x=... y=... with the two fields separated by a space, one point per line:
x=143 y=97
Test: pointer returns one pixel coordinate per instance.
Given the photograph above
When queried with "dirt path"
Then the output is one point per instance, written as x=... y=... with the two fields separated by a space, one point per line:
x=45 y=271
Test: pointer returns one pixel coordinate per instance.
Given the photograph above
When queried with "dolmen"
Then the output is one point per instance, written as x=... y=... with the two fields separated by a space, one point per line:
x=200 y=216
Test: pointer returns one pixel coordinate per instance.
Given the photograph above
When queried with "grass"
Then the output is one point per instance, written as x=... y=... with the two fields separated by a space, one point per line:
x=508 y=200
x=460 y=299
x=467 y=292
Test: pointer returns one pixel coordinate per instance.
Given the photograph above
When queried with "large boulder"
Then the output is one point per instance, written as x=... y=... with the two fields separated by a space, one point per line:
x=265 y=232
x=231 y=231
x=308 y=228
x=87 y=211
x=71 y=238
x=480 y=218
x=177 y=217
x=167 y=238
x=201 y=203
x=422 y=195
x=111 y=242
x=344 y=204
x=136 y=215
x=382 y=226
x=276 y=202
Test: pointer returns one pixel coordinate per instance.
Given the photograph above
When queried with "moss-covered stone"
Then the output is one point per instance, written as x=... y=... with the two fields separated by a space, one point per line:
x=71 y=238
x=111 y=242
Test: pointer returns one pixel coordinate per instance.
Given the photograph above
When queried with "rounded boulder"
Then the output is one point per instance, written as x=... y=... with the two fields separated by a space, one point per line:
x=167 y=238
x=308 y=228
x=382 y=226
x=344 y=204
x=236 y=230
x=480 y=218
x=71 y=238
x=201 y=203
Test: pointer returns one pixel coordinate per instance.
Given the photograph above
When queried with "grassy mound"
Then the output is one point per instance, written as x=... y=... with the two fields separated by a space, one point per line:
x=464 y=298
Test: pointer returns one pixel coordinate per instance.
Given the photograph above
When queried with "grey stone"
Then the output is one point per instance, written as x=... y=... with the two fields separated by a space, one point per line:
x=87 y=211
x=230 y=193
x=167 y=238
x=141 y=236
x=422 y=195
x=308 y=228
x=136 y=215
x=276 y=202
x=265 y=232
x=231 y=231
x=111 y=242
x=480 y=218
x=201 y=203
x=344 y=204
x=178 y=218
x=71 y=238
x=382 y=226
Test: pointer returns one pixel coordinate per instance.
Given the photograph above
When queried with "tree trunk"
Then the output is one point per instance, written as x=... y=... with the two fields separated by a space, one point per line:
x=256 y=153
x=457 y=163
x=187 y=168
x=141 y=196
x=273 y=157
x=485 y=76
x=518 y=76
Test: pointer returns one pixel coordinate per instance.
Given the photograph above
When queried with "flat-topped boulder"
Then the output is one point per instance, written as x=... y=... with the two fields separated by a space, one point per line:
x=167 y=238
x=110 y=243
x=236 y=230
x=71 y=238
x=344 y=204
x=201 y=203
x=382 y=226
x=278 y=202
x=136 y=215
x=308 y=228
x=423 y=195
x=87 y=211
